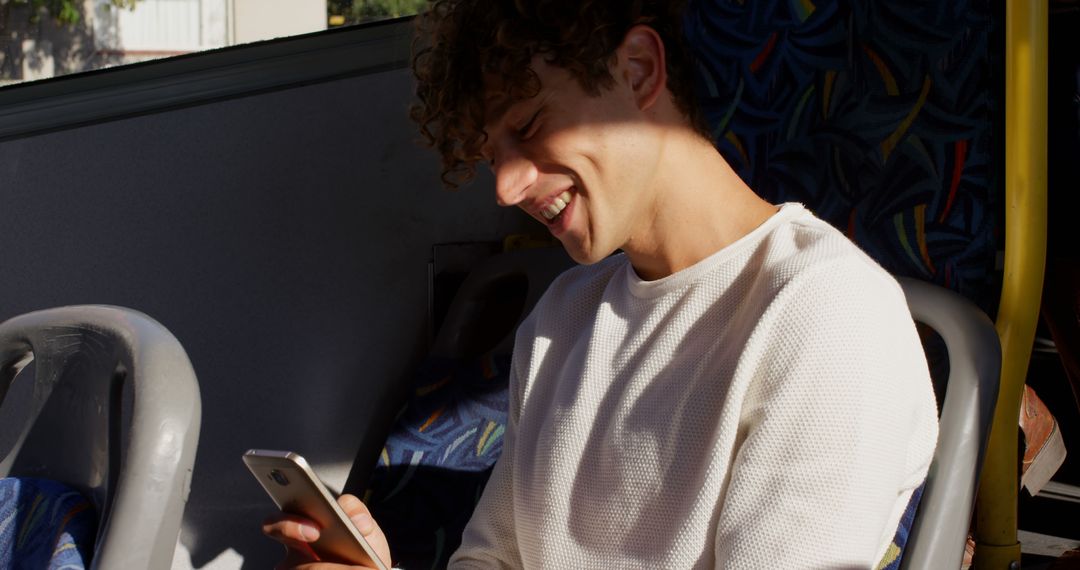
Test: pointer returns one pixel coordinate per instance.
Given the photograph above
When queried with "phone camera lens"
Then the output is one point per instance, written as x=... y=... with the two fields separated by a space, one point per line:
x=279 y=477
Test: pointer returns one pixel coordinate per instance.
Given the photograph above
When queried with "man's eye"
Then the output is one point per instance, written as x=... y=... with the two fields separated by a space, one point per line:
x=529 y=129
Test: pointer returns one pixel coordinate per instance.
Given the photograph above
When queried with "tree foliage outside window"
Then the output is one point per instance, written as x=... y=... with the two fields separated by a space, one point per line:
x=48 y=38
x=357 y=11
x=63 y=11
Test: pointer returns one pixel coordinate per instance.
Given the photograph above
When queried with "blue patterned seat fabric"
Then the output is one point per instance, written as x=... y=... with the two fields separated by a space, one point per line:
x=875 y=114
x=439 y=456
x=44 y=525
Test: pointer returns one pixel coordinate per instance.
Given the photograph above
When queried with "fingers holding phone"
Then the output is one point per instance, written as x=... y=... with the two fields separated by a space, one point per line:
x=297 y=533
x=313 y=525
x=361 y=518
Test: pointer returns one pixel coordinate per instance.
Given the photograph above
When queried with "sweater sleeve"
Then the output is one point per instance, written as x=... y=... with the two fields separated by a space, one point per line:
x=489 y=540
x=837 y=427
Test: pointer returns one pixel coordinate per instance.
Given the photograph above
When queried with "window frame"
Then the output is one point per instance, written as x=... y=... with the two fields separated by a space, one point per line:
x=92 y=97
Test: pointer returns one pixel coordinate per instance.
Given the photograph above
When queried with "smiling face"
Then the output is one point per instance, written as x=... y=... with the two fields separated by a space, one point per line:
x=583 y=165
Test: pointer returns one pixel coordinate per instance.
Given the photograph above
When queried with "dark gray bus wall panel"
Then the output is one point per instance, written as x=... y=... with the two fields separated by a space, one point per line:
x=282 y=234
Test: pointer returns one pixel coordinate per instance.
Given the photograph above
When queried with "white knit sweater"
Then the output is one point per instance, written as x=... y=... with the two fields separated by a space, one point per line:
x=768 y=407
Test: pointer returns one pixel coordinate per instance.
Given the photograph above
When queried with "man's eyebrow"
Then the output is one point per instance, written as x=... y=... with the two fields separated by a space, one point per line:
x=497 y=105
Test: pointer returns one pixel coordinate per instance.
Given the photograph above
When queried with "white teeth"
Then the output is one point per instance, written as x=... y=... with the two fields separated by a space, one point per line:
x=560 y=203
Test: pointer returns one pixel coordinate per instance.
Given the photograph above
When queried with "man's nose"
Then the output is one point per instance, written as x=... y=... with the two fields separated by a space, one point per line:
x=514 y=175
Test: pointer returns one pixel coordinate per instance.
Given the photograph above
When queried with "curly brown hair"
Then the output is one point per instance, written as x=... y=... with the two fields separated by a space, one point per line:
x=459 y=42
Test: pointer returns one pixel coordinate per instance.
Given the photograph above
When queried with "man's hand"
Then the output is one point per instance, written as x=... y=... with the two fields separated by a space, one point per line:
x=296 y=533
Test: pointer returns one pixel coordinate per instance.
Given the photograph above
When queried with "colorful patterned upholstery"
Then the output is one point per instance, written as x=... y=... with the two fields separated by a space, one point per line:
x=874 y=114
x=44 y=525
x=894 y=554
x=439 y=456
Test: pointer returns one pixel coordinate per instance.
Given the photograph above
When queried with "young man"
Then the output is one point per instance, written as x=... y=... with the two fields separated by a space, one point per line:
x=741 y=387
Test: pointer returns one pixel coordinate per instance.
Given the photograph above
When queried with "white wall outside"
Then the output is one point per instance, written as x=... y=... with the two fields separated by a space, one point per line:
x=255 y=20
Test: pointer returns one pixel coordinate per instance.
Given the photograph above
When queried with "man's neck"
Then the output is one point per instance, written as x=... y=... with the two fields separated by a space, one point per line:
x=701 y=207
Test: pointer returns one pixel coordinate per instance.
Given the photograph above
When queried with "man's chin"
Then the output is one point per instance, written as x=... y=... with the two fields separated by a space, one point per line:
x=586 y=257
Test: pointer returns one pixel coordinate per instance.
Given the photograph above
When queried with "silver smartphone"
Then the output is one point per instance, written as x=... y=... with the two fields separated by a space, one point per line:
x=295 y=489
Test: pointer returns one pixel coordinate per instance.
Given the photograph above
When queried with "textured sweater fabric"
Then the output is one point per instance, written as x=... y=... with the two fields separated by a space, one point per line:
x=767 y=407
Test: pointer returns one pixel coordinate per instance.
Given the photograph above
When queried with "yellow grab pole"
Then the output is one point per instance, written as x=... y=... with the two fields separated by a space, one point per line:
x=1025 y=260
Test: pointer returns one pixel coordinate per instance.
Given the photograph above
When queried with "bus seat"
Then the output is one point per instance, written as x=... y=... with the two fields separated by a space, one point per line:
x=132 y=458
x=940 y=527
x=486 y=294
x=423 y=481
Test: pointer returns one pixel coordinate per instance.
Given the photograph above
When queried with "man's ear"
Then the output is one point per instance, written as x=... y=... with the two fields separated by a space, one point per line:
x=645 y=67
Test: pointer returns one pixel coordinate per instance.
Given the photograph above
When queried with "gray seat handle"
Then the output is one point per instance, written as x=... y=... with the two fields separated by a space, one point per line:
x=142 y=509
x=944 y=514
